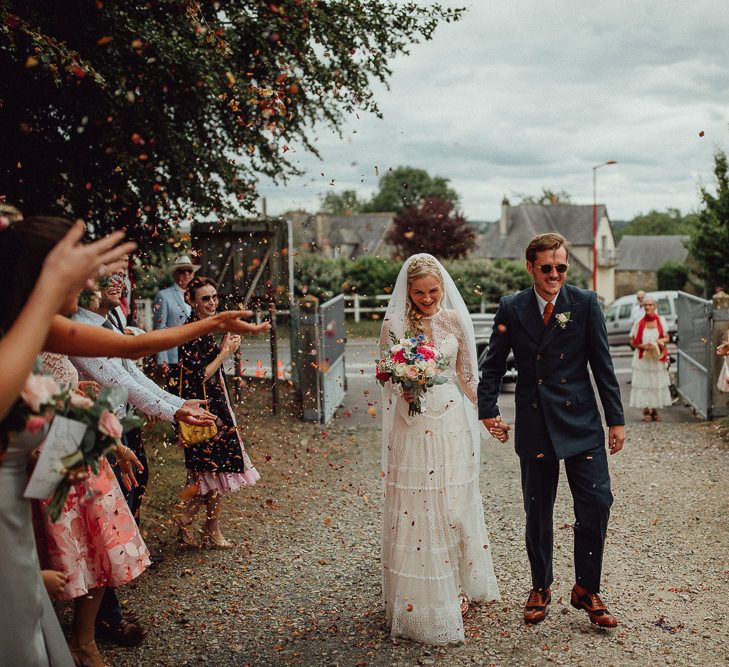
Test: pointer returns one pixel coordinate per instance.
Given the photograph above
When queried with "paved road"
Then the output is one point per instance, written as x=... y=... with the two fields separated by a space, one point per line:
x=363 y=393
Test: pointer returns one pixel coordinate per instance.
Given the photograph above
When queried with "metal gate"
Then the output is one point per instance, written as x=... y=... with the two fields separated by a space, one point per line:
x=322 y=373
x=695 y=352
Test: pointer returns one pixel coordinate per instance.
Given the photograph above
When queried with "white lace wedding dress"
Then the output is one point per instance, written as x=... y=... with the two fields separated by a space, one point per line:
x=435 y=545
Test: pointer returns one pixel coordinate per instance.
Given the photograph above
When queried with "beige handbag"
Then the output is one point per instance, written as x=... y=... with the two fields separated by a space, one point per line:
x=723 y=383
x=187 y=434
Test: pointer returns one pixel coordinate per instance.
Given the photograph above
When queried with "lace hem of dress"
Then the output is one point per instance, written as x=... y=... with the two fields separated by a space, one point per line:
x=430 y=625
x=224 y=482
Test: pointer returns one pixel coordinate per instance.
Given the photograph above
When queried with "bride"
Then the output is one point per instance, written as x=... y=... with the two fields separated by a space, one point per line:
x=435 y=547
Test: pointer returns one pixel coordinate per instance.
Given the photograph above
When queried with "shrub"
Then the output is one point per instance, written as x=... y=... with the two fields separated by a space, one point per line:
x=370 y=275
x=672 y=276
x=319 y=276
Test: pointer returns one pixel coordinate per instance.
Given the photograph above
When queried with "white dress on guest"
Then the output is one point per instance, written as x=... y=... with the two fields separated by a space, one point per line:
x=650 y=384
x=435 y=545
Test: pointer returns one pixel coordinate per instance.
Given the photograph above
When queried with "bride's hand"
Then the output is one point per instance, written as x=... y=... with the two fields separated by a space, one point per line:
x=408 y=396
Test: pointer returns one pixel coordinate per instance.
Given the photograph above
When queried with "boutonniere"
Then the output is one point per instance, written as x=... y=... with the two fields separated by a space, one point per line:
x=563 y=319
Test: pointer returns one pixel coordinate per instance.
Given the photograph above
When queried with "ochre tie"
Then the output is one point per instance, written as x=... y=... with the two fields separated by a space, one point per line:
x=548 y=312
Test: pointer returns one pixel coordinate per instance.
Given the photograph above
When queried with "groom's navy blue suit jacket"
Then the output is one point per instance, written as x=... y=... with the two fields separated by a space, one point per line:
x=555 y=401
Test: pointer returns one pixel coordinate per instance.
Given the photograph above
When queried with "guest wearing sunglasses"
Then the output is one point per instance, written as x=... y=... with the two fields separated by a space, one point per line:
x=558 y=335
x=219 y=465
x=170 y=309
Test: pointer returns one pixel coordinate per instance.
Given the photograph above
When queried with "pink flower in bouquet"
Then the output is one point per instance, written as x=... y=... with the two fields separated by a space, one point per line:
x=39 y=390
x=110 y=425
x=427 y=352
x=79 y=401
x=399 y=356
x=412 y=373
x=35 y=423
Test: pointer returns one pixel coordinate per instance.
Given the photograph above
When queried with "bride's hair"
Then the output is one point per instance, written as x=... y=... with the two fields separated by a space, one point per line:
x=420 y=266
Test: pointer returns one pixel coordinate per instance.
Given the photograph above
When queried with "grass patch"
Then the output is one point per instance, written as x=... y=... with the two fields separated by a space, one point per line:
x=362 y=329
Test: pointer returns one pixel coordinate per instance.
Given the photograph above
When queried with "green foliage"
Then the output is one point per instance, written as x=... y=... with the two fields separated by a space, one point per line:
x=547 y=197
x=433 y=227
x=710 y=235
x=156 y=273
x=480 y=280
x=485 y=280
x=579 y=279
x=319 y=276
x=658 y=223
x=139 y=114
x=405 y=187
x=370 y=275
x=672 y=276
x=341 y=203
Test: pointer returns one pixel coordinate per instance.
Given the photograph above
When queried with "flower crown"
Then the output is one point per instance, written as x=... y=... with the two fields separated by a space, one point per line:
x=423 y=260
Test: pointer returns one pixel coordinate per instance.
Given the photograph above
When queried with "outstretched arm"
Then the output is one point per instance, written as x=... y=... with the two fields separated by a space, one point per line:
x=494 y=366
x=492 y=374
x=81 y=340
x=65 y=271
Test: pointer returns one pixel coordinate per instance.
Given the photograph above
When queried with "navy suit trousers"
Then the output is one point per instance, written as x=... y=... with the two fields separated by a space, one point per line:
x=589 y=480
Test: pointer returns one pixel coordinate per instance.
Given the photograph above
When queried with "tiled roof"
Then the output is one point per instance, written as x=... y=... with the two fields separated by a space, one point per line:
x=365 y=229
x=648 y=253
x=573 y=221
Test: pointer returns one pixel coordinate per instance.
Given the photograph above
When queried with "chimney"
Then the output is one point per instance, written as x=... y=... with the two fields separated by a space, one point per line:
x=504 y=220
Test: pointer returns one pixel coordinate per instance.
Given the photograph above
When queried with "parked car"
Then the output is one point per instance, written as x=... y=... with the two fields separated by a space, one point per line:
x=619 y=322
x=483 y=323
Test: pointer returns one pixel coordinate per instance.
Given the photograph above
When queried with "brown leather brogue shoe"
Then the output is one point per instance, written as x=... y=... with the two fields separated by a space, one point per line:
x=535 y=610
x=596 y=609
x=124 y=633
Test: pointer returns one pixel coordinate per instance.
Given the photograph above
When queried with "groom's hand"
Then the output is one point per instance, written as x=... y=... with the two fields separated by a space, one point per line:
x=497 y=428
x=616 y=438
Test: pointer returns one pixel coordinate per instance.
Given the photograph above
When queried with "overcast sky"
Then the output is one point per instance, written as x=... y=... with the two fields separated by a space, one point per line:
x=525 y=94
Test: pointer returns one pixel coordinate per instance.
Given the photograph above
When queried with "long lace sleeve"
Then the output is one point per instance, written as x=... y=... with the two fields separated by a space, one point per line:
x=62 y=370
x=465 y=365
x=111 y=373
x=151 y=386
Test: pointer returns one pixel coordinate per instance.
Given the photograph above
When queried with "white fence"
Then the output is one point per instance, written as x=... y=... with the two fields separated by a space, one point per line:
x=355 y=305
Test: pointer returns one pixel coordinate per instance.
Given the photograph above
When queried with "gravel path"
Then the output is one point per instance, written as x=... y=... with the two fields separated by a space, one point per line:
x=303 y=587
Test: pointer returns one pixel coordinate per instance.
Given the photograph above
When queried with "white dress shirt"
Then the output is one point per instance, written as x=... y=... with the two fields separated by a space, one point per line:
x=144 y=394
x=542 y=303
x=636 y=312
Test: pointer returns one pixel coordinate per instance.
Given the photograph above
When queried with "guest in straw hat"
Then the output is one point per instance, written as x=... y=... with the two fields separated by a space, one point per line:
x=170 y=308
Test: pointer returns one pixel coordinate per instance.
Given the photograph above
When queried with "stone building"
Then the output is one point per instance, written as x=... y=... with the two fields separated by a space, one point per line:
x=640 y=259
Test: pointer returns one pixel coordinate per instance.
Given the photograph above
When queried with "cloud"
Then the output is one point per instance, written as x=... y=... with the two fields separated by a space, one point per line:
x=524 y=94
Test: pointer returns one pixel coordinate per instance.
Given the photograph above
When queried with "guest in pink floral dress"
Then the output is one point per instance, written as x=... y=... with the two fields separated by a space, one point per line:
x=96 y=542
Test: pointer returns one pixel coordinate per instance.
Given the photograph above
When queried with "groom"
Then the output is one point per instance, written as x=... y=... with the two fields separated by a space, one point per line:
x=555 y=331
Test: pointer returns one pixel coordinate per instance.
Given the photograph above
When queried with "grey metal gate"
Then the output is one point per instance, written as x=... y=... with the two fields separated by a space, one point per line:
x=695 y=352
x=322 y=373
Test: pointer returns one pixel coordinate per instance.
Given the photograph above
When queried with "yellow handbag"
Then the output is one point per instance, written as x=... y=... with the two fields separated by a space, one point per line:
x=187 y=434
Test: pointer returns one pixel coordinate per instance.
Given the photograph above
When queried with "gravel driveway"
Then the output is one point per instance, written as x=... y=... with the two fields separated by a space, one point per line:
x=303 y=587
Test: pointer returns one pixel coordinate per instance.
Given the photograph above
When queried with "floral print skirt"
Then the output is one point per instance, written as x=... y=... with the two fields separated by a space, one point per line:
x=96 y=541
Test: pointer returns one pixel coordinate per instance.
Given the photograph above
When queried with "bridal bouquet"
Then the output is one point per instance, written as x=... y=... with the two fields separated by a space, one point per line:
x=414 y=363
x=92 y=416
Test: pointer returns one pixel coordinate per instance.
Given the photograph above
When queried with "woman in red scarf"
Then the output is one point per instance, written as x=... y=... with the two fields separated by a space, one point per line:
x=650 y=385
